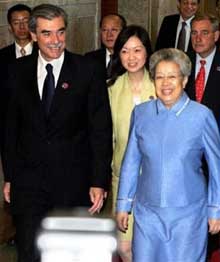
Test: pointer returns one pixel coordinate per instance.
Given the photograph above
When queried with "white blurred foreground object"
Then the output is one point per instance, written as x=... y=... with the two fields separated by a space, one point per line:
x=76 y=237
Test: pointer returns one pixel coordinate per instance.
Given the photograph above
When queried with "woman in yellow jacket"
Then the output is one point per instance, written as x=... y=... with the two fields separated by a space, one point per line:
x=129 y=85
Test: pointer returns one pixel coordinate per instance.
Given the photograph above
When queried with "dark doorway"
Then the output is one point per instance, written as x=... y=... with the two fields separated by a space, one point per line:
x=109 y=6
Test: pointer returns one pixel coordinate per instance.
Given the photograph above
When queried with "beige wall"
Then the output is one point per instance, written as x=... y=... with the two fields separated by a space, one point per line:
x=83 y=16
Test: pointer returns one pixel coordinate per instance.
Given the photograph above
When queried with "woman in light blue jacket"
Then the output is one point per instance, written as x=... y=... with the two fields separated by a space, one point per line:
x=173 y=205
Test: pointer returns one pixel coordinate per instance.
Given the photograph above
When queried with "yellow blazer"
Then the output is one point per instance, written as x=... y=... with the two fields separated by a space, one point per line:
x=121 y=101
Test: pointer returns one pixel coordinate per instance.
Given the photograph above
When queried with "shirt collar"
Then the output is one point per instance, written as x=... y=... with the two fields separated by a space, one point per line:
x=145 y=78
x=28 y=49
x=107 y=57
x=188 y=21
x=55 y=62
x=208 y=59
x=177 y=108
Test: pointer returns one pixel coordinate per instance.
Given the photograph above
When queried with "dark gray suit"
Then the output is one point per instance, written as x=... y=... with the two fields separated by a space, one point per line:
x=99 y=55
x=167 y=34
x=211 y=96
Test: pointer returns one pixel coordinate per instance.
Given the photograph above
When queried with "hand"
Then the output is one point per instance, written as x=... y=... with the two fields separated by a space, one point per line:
x=97 y=196
x=122 y=221
x=6 y=191
x=214 y=226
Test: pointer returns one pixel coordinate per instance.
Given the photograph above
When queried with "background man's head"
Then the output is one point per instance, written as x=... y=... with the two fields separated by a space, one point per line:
x=110 y=26
x=18 y=17
x=204 y=34
x=188 y=8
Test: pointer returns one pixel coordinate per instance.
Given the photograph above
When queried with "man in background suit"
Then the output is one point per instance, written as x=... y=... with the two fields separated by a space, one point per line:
x=58 y=139
x=110 y=27
x=204 y=35
x=17 y=17
x=171 y=26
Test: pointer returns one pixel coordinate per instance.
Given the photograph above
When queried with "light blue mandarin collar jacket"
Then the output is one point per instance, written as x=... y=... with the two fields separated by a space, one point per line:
x=167 y=145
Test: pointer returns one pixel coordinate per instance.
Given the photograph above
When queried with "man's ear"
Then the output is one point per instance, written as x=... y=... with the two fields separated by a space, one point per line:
x=216 y=35
x=178 y=5
x=10 y=29
x=33 y=36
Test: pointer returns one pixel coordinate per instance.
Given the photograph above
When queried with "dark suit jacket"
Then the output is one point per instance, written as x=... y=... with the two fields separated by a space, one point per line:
x=66 y=153
x=7 y=57
x=167 y=33
x=99 y=55
x=211 y=96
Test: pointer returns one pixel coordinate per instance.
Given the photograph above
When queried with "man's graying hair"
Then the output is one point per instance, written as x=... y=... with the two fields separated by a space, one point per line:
x=210 y=17
x=170 y=55
x=45 y=11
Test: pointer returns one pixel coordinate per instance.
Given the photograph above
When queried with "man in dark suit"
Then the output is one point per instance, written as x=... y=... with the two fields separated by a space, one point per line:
x=17 y=16
x=110 y=27
x=171 y=26
x=204 y=35
x=58 y=140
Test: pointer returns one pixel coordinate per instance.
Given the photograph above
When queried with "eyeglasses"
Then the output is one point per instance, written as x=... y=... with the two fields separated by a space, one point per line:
x=18 y=22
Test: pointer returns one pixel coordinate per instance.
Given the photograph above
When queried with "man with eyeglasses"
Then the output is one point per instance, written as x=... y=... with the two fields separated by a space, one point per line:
x=110 y=26
x=17 y=17
x=172 y=26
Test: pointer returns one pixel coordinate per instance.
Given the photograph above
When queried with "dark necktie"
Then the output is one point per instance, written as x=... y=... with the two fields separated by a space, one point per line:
x=48 y=89
x=200 y=81
x=182 y=37
x=109 y=66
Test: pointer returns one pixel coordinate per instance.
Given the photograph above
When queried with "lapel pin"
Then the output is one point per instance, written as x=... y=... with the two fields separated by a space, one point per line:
x=65 y=85
x=218 y=68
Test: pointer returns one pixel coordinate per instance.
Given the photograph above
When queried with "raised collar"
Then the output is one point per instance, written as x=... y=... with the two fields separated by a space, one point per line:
x=177 y=108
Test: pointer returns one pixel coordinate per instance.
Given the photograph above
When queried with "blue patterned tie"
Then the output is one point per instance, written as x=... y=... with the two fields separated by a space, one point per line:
x=48 y=89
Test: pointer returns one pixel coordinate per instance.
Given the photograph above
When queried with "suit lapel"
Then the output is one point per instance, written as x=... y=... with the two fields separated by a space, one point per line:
x=34 y=95
x=190 y=87
x=64 y=83
x=212 y=77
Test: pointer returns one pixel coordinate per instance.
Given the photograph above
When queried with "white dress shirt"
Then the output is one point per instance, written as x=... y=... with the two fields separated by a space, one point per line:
x=42 y=72
x=188 y=31
x=107 y=57
x=28 y=49
x=208 y=64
